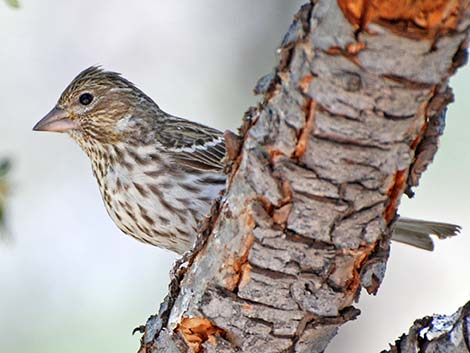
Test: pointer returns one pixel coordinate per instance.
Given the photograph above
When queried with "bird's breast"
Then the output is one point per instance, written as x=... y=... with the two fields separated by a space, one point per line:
x=156 y=203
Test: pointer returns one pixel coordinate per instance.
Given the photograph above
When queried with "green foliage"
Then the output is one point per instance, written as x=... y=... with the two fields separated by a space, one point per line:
x=5 y=166
x=13 y=3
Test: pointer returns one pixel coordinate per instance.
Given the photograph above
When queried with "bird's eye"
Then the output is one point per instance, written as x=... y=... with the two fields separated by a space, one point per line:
x=85 y=98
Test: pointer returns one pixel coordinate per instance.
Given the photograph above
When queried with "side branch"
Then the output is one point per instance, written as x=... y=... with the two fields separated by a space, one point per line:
x=437 y=333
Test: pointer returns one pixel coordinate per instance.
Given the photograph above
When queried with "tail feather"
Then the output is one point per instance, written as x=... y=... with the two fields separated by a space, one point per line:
x=417 y=233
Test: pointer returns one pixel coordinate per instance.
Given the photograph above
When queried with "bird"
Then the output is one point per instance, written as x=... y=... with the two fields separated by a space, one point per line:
x=159 y=174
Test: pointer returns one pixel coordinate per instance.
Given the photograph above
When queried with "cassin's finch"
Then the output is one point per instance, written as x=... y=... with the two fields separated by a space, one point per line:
x=158 y=174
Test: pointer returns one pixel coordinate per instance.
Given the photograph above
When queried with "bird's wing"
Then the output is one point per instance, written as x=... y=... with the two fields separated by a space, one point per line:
x=193 y=145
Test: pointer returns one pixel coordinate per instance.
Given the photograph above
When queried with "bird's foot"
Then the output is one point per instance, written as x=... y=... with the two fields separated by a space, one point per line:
x=140 y=329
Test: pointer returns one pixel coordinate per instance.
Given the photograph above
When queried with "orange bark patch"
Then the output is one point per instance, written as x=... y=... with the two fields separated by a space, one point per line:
x=274 y=154
x=354 y=48
x=361 y=259
x=418 y=138
x=198 y=330
x=286 y=190
x=334 y=51
x=354 y=266
x=247 y=307
x=344 y=266
x=349 y=53
x=245 y=275
x=267 y=205
x=428 y=14
x=281 y=214
x=240 y=266
x=232 y=144
x=305 y=83
x=394 y=194
x=307 y=130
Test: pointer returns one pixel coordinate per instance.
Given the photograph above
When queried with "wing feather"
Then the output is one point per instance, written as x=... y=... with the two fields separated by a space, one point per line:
x=194 y=145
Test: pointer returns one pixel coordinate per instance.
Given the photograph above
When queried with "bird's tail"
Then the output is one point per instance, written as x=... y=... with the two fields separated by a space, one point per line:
x=417 y=233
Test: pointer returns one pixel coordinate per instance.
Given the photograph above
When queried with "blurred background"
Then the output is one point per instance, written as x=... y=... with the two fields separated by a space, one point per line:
x=69 y=280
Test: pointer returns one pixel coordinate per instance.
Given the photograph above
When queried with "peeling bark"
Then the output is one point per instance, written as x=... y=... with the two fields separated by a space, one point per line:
x=350 y=119
x=437 y=333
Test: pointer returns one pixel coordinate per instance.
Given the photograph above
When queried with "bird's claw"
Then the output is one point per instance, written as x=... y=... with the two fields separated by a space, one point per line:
x=140 y=329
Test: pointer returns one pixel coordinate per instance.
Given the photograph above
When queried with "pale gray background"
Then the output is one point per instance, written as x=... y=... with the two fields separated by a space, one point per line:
x=71 y=282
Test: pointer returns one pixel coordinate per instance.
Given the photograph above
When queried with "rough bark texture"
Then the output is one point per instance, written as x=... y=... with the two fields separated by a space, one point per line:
x=439 y=333
x=350 y=119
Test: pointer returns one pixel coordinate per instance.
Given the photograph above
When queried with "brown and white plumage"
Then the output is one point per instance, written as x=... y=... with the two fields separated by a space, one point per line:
x=158 y=174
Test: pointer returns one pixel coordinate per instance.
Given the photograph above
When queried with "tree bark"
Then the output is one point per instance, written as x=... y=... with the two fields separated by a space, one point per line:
x=350 y=119
x=439 y=333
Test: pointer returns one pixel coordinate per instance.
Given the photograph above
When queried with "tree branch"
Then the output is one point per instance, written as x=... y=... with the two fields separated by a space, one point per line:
x=350 y=119
x=439 y=333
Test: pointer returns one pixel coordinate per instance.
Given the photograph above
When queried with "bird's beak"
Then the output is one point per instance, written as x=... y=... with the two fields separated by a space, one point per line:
x=57 y=120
